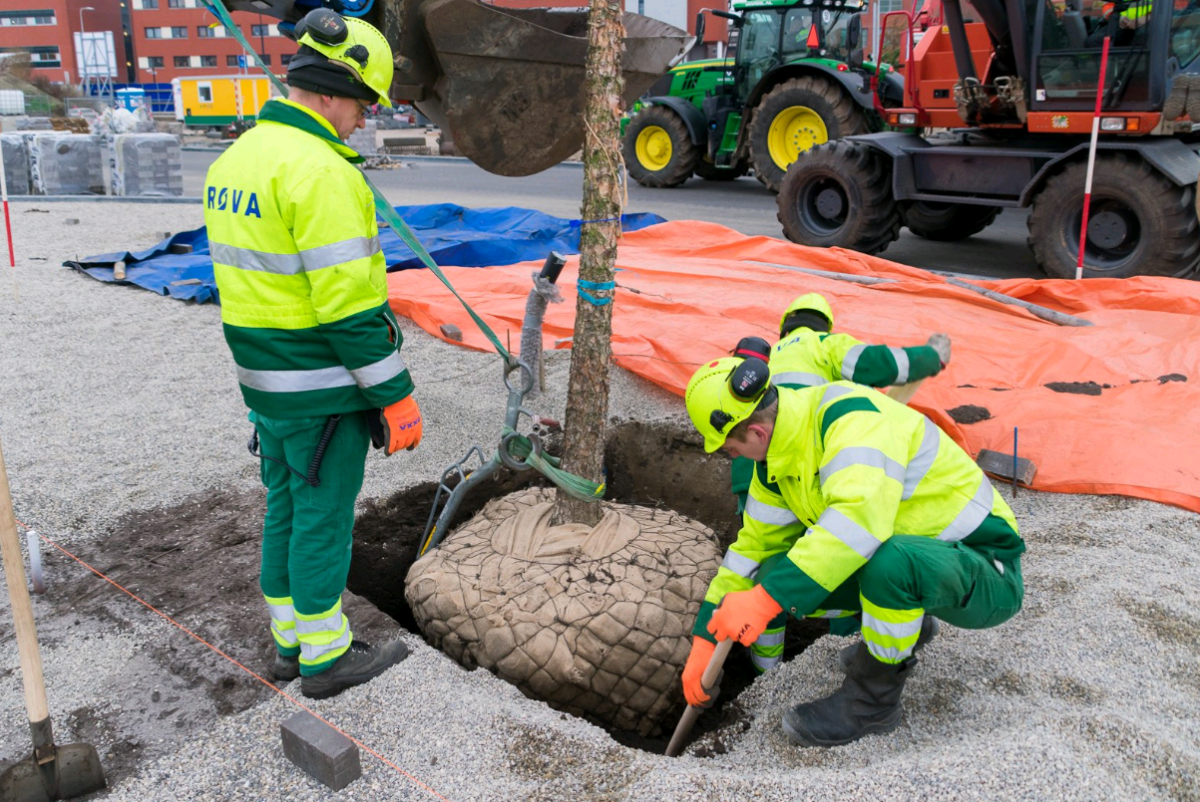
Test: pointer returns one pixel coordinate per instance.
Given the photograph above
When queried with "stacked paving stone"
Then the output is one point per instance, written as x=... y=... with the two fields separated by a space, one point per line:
x=596 y=621
x=363 y=140
x=15 y=152
x=66 y=164
x=146 y=164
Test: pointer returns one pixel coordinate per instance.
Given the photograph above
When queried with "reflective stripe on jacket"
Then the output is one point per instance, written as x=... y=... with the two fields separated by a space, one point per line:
x=846 y=469
x=302 y=279
x=806 y=358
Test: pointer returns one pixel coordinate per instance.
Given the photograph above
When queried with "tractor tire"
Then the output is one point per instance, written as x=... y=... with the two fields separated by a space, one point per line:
x=795 y=116
x=710 y=172
x=657 y=148
x=947 y=222
x=1140 y=223
x=840 y=195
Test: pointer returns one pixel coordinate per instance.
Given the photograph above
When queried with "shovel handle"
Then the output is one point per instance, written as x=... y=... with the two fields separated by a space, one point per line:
x=708 y=679
x=904 y=392
x=22 y=608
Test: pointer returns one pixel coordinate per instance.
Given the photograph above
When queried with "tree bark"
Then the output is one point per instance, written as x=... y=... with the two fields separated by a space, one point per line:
x=587 y=393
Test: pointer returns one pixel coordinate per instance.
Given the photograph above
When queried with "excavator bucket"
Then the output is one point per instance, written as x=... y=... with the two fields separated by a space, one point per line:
x=507 y=85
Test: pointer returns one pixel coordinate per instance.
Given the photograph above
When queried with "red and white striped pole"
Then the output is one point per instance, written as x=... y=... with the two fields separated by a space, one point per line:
x=1087 y=190
x=12 y=257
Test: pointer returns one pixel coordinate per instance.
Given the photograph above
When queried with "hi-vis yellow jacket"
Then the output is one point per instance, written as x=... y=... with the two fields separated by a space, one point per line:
x=295 y=248
x=846 y=469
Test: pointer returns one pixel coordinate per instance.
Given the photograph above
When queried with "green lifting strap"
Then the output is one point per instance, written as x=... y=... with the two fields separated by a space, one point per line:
x=382 y=207
x=574 y=486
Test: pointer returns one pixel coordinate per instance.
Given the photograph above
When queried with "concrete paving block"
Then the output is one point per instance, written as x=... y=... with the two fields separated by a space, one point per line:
x=320 y=750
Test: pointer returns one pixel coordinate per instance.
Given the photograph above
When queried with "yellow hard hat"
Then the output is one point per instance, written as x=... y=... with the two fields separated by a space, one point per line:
x=723 y=393
x=325 y=36
x=809 y=302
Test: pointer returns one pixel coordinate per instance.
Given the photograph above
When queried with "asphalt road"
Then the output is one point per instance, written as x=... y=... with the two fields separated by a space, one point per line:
x=743 y=205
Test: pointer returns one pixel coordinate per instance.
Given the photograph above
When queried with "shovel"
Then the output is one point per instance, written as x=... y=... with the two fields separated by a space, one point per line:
x=51 y=772
x=708 y=681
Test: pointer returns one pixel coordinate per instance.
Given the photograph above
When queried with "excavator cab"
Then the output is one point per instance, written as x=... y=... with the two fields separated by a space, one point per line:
x=506 y=84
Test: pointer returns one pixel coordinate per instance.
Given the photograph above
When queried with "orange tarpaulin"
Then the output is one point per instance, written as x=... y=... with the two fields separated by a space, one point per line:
x=1122 y=419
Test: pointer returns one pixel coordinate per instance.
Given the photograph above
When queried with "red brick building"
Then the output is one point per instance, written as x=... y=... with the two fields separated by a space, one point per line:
x=46 y=28
x=177 y=38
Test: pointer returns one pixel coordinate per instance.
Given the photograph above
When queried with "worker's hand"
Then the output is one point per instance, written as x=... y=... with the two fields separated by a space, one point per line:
x=401 y=425
x=693 y=672
x=940 y=343
x=743 y=615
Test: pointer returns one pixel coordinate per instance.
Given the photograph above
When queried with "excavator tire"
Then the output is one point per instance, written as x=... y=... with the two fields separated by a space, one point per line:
x=795 y=116
x=710 y=172
x=947 y=222
x=1139 y=224
x=840 y=195
x=657 y=148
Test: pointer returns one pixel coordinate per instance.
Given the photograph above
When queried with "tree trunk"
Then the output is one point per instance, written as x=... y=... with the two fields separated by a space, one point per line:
x=587 y=393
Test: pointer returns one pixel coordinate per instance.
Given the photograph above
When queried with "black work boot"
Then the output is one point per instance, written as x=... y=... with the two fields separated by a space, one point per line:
x=285 y=669
x=930 y=628
x=868 y=702
x=358 y=664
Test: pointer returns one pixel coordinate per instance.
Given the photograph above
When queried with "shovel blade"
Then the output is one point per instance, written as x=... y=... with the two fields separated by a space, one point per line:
x=75 y=771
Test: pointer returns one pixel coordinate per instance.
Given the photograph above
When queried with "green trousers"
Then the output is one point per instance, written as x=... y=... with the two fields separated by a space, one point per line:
x=307 y=533
x=909 y=577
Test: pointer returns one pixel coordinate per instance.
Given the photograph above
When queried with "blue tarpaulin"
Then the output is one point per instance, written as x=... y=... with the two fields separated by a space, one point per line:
x=452 y=234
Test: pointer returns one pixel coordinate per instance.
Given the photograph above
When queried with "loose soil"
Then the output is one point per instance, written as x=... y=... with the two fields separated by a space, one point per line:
x=198 y=563
x=969 y=413
x=1078 y=388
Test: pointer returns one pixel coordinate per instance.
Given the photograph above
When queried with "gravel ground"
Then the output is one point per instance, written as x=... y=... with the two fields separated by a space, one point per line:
x=113 y=399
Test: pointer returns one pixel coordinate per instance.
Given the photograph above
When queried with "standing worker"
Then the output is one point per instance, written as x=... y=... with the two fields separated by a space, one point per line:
x=864 y=505
x=296 y=253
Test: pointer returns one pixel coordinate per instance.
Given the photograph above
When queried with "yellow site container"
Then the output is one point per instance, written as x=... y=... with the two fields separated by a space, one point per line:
x=218 y=100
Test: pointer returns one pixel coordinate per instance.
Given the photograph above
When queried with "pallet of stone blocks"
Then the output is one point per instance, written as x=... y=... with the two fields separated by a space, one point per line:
x=15 y=153
x=66 y=164
x=147 y=164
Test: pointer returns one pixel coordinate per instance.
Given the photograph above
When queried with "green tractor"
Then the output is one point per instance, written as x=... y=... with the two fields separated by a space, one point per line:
x=787 y=88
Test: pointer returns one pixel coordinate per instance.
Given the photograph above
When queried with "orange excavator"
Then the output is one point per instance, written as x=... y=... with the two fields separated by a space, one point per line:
x=506 y=84
x=996 y=112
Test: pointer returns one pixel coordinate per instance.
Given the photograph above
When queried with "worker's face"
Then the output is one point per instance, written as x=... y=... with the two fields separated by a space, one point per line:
x=345 y=114
x=754 y=446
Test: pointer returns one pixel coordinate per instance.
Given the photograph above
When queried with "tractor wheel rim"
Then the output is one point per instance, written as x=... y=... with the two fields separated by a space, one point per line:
x=654 y=148
x=1114 y=233
x=793 y=131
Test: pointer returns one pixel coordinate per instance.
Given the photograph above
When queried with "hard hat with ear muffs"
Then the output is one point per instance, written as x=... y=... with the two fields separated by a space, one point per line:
x=341 y=56
x=723 y=393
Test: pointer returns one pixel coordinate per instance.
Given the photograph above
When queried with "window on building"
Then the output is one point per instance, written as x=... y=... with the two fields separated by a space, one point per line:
x=182 y=61
x=154 y=33
x=266 y=59
x=205 y=32
x=43 y=20
x=285 y=59
x=149 y=5
x=178 y=31
x=155 y=62
x=14 y=20
x=231 y=61
x=260 y=30
x=208 y=61
x=175 y=4
x=204 y=92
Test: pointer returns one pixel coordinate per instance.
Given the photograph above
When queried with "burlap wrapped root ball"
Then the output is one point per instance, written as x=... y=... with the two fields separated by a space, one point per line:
x=595 y=621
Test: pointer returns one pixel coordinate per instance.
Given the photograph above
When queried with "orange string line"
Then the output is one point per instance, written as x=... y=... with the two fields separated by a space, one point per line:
x=290 y=698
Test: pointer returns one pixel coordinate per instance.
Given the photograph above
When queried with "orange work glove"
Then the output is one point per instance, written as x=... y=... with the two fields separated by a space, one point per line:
x=743 y=615
x=693 y=687
x=401 y=425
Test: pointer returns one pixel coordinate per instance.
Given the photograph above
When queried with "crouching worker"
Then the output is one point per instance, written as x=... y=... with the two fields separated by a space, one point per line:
x=304 y=303
x=863 y=506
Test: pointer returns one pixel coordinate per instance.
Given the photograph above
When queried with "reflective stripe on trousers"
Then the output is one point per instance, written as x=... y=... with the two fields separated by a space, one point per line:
x=283 y=622
x=322 y=637
x=890 y=635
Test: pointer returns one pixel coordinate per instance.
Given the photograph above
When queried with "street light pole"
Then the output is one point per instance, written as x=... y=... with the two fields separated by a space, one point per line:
x=84 y=72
